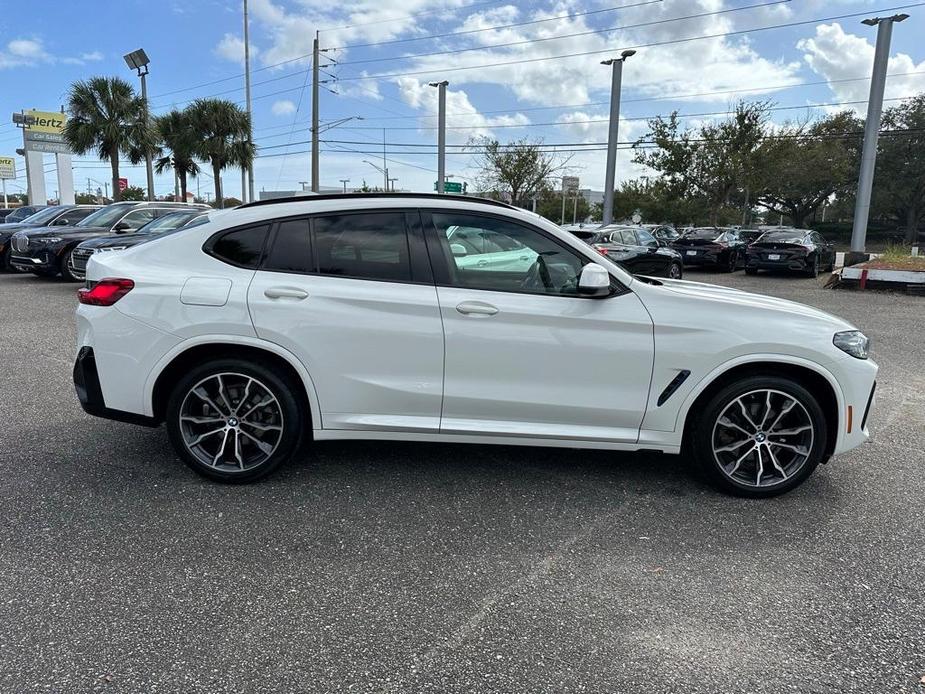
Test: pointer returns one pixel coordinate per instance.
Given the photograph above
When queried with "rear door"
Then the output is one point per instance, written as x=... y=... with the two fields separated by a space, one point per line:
x=352 y=296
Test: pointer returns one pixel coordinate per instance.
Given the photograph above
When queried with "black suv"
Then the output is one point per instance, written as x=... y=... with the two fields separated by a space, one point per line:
x=59 y=215
x=635 y=249
x=47 y=250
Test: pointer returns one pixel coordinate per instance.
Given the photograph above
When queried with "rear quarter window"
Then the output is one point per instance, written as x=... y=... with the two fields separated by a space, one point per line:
x=241 y=247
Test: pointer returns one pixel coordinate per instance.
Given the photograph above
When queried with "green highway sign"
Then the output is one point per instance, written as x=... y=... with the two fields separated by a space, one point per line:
x=452 y=187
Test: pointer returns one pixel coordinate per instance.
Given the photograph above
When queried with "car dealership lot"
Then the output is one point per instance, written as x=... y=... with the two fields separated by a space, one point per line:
x=398 y=567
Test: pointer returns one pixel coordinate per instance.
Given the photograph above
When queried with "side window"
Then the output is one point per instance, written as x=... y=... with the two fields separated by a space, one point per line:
x=510 y=257
x=75 y=215
x=365 y=246
x=292 y=250
x=239 y=247
x=136 y=219
x=646 y=239
x=625 y=236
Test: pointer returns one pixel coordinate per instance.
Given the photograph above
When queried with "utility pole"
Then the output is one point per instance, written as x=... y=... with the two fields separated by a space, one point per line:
x=615 y=87
x=575 y=209
x=315 y=60
x=441 y=133
x=385 y=167
x=562 y=216
x=871 y=131
x=249 y=196
x=345 y=181
x=149 y=167
x=392 y=184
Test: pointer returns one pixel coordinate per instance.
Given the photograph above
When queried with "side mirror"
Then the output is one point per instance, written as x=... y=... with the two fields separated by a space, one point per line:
x=62 y=222
x=121 y=227
x=458 y=250
x=594 y=281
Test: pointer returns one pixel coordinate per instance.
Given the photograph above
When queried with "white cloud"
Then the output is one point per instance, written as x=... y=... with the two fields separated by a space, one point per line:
x=24 y=53
x=231 y=47
x=283 y=107
x=83 y=58
x=836 y=55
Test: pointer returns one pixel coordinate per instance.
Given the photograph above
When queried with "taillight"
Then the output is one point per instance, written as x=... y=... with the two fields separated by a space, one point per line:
x=602 y=251
x=106 y=292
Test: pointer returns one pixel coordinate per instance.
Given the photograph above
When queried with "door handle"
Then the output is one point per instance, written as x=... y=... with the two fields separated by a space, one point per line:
x=482 y=263
x=476 y=308
x=285 y=293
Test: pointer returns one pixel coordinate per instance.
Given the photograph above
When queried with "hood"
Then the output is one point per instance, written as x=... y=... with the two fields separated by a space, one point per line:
x=729 y=301
x=65 y=231
x=123 y=240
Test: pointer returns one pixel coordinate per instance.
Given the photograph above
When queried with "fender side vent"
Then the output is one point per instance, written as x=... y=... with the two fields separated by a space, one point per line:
x=672 y=387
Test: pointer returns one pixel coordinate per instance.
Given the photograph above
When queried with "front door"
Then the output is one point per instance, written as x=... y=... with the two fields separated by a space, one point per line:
x=352 y=296
x=526 y=355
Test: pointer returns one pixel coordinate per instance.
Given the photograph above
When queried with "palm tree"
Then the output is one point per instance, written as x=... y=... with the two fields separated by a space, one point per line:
x=222 y=137
x=175 y=132
x=108 y=117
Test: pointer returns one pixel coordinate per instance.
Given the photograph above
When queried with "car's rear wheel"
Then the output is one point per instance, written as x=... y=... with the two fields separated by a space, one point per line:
x=675 y=271
x=5 y=260
x=732 y=263
x=812 y=268
x=233 y=420
x=759 y=437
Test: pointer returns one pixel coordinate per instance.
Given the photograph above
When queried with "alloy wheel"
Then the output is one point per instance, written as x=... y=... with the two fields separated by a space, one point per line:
x=231 y=422
x=674 y=272
x=762 y=438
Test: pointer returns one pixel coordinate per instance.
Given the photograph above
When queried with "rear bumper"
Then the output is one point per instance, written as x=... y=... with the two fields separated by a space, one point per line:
x=90 y=394
x=700 y=259
x=791 y=264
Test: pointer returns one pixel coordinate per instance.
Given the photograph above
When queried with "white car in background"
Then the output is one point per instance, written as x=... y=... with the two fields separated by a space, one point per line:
x=358 y=317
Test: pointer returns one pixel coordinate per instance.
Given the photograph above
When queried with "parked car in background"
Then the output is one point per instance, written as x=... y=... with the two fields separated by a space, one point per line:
x=47 y=250
x=749 y=236
x=347 y=316
x=21 y=213
x=712 y=246
x=800 y=250
x=58 y=215
x=665 y=234
x=5 y=211
x=636 y=250
x=77 y=262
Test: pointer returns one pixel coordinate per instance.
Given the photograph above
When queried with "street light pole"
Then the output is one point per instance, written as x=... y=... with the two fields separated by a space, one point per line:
x=315 y=58
x=138 y=61
x=345 y=181
x=441 y=133
x=871 y=131
x=249 y=195
x=610 y=174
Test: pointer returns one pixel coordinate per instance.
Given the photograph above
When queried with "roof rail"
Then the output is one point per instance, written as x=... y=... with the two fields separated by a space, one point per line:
x=383 y=196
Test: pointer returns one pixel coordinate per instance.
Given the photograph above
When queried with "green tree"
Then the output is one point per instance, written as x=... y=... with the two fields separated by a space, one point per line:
x=804 y=164
x=132 y=193
x=223 y=136
x=717 y=163
x=176 y=134
x=106 y=116
x=516 y=171
x=85 y=199
x=899 y=182
x=549 y=205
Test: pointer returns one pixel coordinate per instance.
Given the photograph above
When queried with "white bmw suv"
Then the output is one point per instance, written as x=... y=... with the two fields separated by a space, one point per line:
x=360 y=317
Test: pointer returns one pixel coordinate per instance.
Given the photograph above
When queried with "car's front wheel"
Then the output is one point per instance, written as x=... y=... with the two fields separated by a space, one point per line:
x=66 y=267
x=675 y=271
x=234 y=420
x=760 y=436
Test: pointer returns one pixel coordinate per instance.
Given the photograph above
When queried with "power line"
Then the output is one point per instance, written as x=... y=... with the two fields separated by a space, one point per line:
x=565 y=36
x=496 y=28
x=666 y=42
x=416 y=14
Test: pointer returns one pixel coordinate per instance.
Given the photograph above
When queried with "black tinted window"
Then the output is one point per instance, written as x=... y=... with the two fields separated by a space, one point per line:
x=241 y=247
x=366 y=246
x=292 y=251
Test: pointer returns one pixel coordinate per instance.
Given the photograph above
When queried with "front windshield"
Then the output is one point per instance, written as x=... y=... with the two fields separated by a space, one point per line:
x=782 y=237
x=20 y=215
x=105 y=217
x=174 y=220
x=43 y=216
x=708 y=234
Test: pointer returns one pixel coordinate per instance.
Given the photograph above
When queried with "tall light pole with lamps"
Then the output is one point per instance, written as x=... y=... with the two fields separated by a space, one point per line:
x=138 y=61
x=616 y=85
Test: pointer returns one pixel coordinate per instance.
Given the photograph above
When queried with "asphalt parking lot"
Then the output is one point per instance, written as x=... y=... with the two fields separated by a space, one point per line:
x=384 y=567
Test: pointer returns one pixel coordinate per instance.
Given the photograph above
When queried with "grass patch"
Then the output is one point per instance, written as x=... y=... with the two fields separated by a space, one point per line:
x=897 y=257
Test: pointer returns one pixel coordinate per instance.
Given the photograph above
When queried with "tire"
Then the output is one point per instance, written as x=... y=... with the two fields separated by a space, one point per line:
x=751 y=271
x=66 y=267
x=5 y=261
x=733 y=263
x=713 y=438
x=813 y=269
x=277 y=426
x=675 y=271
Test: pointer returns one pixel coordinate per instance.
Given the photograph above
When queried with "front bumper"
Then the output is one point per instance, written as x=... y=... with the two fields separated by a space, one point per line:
x=38 y=261
x=90 y=394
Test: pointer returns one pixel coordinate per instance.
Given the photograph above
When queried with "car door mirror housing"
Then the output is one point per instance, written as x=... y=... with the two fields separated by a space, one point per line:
x=594 y=281
x=458 y=250
x=64 y=221
x=122 y=227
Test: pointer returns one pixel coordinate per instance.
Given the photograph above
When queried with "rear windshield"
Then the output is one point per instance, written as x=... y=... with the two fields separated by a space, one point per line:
x=708 y=234
x=168 y=222
x=782 y=237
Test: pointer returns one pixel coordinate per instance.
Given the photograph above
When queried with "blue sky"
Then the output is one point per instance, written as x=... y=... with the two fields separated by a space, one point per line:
x=482 y=48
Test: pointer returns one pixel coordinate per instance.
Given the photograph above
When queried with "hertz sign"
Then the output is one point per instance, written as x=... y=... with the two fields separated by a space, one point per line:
x=43 y=131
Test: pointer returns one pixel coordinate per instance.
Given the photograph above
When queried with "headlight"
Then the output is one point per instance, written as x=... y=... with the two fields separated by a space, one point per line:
x=106 y=249
x=854 y=342
x=48 y=240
